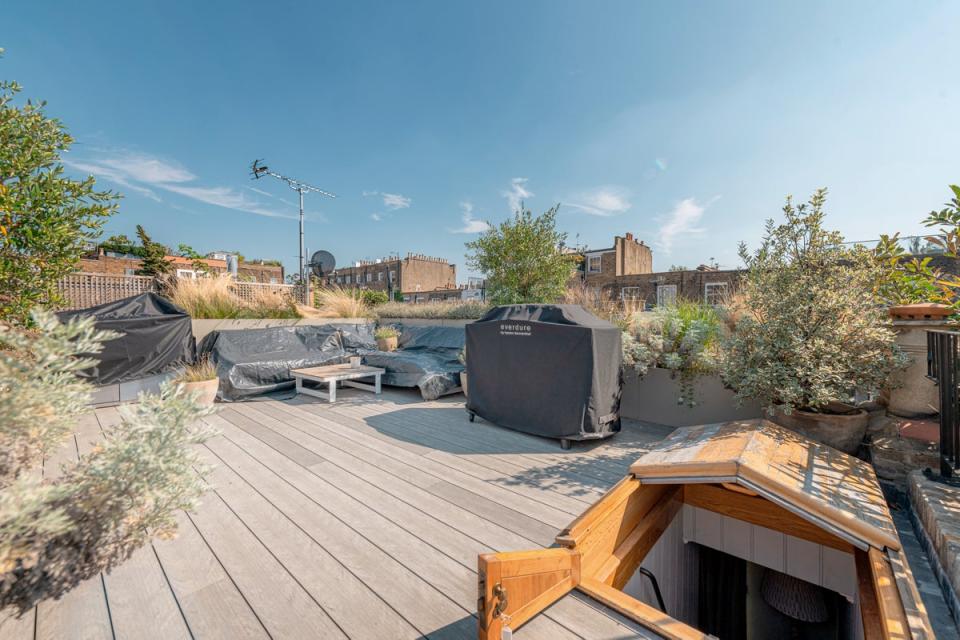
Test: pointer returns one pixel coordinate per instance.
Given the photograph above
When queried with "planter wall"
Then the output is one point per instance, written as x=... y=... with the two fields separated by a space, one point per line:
x=113 y=394
x=203 y=327
x=426 y=322
x=654 y=399
x=914 y=394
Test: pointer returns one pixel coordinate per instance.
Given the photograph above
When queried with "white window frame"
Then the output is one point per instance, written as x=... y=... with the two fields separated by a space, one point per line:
x=634 y=298
x=346 y=279
x=379 y=276
x=369 y=277
x=662 y=294
x=599 y=259
x=708 y=288
x=186 y=273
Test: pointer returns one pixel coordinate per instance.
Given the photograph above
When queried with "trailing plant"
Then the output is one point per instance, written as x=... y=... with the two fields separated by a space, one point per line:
x=46 y=218
x=66 y=525
x=811 y=332
x=682 y=338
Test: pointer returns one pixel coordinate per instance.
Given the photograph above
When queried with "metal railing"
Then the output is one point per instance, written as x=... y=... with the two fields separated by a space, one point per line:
x=943 y=367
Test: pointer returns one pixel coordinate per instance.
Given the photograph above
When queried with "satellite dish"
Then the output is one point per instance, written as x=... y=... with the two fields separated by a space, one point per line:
x=322 y=263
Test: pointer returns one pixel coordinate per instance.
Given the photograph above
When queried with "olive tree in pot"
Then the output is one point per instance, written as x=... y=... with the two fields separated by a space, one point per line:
x=810 y=332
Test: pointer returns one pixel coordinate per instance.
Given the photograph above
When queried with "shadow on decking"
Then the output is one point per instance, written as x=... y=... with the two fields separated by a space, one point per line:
x=587 y=467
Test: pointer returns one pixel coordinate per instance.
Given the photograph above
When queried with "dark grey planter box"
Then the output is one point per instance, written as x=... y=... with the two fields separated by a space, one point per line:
x=654 y=399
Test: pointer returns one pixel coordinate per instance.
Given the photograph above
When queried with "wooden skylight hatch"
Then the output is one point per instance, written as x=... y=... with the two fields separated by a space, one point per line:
x=746 y=498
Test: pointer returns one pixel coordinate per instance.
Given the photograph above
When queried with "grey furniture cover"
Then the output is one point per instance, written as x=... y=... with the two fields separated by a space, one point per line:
x=252 y=362
x=157 y=336
x=549 y=370
x=428 y=358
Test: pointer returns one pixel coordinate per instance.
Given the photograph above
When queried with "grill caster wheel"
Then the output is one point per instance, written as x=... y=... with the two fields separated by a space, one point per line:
x=565 y=444
x=471 y=415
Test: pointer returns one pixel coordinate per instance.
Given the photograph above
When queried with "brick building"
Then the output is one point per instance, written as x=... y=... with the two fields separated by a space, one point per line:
x=412 y=275
x=125 y=264
x=625 y=272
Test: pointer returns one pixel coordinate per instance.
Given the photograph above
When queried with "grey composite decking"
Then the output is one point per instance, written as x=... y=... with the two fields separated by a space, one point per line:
x=361 y=519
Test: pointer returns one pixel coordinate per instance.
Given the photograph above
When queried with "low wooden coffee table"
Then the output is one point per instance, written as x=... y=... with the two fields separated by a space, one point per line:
x=334 y=373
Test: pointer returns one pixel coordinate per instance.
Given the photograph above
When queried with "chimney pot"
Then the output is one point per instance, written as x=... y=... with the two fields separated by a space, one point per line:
x=629 y=236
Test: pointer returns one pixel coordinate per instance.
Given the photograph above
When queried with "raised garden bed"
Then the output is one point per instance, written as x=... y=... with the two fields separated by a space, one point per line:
x=653 y=398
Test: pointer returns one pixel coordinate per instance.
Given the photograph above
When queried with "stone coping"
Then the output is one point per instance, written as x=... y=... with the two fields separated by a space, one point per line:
x=935 y=507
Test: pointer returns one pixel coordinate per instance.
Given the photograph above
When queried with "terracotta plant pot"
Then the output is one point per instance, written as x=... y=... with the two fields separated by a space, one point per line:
x=387 y=344
x=205 y=391
x=463 y=381
x=843 y=431
x=920 y=311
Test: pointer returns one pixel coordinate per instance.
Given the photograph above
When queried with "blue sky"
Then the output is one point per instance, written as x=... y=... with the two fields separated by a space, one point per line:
x=685 y=122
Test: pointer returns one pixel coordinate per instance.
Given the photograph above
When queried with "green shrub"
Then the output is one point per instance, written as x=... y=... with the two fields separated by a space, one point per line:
x=56 y=533
x=812 y=332
x=373 y=298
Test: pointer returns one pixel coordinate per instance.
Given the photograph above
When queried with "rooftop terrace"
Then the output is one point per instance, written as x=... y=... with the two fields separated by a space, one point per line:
x=362 y=519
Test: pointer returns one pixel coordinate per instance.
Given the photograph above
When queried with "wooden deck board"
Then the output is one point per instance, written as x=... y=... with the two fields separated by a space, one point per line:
x=361 y=519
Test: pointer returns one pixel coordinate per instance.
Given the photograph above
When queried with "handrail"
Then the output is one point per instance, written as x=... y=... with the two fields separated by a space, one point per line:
x=943 y=367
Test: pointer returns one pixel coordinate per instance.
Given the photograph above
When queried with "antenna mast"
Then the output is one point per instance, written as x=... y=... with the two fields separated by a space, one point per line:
x=258 y=170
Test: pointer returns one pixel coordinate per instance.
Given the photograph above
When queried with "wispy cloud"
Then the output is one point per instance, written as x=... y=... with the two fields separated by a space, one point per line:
x=603 y=201
x=144 y=174
x=683 y=220
x=392 y=201
x=376 y=217
x=111 y=175
x=517 y=193
x=470 y=224
x=396 y=201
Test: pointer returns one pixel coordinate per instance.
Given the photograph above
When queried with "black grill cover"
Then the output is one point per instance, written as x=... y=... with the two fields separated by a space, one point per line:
x=157 y=336
x=549 y=370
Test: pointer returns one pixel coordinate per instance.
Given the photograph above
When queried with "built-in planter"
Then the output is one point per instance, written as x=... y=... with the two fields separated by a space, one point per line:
x=205 y=390
x=843 y=431
x=201 y=327
x=653 y=398
x=912 y=393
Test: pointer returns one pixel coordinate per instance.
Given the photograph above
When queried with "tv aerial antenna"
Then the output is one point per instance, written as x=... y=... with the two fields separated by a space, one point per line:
x=258 y=170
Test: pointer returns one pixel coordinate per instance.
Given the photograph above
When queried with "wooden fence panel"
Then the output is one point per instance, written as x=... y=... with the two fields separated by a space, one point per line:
x=83 y=290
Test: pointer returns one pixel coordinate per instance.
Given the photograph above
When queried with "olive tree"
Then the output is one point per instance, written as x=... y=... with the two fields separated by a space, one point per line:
x=63 y=526
x=523 y=259
x=46 y=218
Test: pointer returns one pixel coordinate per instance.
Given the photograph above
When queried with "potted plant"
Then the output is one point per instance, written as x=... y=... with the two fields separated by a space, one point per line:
x=462 y=357
x=813 y=333
x=386 y=338
x=201 y=380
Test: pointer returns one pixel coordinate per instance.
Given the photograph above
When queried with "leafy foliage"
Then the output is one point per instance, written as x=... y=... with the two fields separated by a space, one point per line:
x=153 y=259
x=372 y=298
x=122 y=244
x=683 y=338
x=906 y=277
x=523 y=259
x=60 y=529
x=45 y=217
x=812 y=332
x=197 y=260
